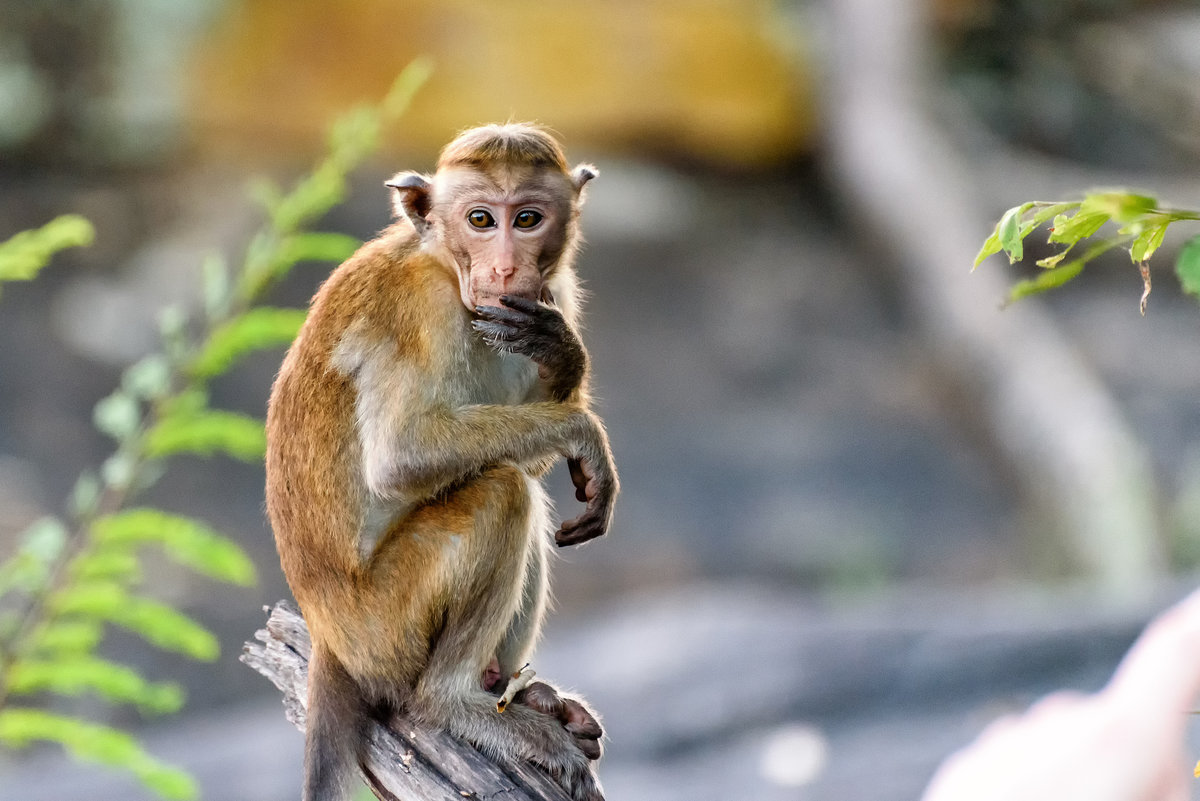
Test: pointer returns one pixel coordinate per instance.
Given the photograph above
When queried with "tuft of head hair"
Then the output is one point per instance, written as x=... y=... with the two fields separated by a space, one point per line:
x=514 y=143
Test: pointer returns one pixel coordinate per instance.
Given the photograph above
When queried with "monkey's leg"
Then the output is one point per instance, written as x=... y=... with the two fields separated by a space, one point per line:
x=516 y=647
x=486 y=576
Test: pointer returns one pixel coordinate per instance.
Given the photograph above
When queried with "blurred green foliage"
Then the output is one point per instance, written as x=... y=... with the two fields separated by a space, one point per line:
x=24 y=255
x=1142 y=226
x=72 y=577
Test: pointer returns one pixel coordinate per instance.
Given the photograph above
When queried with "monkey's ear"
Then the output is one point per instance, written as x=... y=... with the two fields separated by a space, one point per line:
x=581 y=175
x=412 y=198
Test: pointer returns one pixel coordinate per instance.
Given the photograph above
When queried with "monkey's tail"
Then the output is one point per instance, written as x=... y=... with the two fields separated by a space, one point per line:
x=334 y=732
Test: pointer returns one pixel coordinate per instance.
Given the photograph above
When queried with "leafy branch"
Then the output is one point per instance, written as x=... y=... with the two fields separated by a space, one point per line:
x=75 y=575
x=24 y=255
x=1142 y=226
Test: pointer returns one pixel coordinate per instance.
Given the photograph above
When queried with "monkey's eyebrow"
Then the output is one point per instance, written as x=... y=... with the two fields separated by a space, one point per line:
x=537 y=188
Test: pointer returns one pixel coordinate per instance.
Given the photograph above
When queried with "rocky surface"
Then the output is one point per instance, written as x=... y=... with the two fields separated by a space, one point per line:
x=718 y=691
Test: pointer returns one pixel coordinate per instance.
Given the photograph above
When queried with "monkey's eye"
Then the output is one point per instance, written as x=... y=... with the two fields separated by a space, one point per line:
x=527 y=218
x=481 y=218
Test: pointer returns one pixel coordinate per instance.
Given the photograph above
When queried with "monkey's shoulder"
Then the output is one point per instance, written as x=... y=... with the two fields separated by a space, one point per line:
x=388 y=291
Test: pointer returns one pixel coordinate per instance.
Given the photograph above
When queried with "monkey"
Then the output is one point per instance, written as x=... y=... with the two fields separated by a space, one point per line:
x=438 y=376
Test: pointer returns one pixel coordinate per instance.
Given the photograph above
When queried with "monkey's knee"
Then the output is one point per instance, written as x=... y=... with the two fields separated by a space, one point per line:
x=503 y=496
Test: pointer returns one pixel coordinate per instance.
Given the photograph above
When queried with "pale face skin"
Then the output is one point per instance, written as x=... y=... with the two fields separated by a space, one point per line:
x=505 y=232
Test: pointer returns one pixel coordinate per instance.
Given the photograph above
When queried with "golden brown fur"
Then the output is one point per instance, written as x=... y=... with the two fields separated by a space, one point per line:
x=406 y=430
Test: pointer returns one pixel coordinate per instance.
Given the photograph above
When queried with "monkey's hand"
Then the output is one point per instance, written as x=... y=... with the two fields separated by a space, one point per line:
x=540 y=332
x=596 y=484
x=579 y=721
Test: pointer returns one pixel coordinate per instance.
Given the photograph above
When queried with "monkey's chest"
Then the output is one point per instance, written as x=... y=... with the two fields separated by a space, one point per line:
x=500 y=378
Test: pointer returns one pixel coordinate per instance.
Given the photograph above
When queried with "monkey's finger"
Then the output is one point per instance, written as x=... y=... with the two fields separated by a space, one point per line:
x=579 y=721
x=500 y=331
x=505 y=337
x=579 y=479
x=590 y=748
x=587 y=526
x=541 y=696
x=528 y=306
x=511 y=316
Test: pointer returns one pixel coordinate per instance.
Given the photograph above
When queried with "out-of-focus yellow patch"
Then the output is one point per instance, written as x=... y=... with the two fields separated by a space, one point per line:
x=722 y=81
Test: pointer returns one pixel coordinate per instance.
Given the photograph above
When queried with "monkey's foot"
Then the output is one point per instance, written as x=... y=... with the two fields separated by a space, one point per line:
x=579 y=721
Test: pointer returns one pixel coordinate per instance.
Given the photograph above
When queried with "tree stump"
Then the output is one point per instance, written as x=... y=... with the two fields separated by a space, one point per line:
x=401 y=761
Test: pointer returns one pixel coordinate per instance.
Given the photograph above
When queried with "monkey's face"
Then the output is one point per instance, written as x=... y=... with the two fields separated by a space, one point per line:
x=505 y=229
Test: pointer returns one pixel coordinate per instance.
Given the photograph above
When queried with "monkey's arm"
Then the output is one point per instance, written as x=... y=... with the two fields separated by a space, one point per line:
x=539 y=331
x=542 y=333
x=441 y=447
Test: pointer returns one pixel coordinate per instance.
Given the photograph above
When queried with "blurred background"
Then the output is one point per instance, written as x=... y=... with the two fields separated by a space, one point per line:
x=865 y=508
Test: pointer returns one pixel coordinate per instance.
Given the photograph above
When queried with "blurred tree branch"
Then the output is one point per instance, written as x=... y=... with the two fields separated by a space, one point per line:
x=1072 y=452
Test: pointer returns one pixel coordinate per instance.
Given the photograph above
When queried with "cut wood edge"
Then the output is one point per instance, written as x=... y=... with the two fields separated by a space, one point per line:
x=401 y=760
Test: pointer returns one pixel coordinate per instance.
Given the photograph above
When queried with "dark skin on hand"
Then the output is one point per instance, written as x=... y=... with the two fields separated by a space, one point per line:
x=537 y=330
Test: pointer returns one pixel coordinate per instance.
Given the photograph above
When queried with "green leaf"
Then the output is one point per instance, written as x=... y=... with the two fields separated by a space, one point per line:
x=77 y=675
x=111 y=565
x=118 y=415
x=267 y=193
x=173 y=327
x=259 y=328
x=990 y=245
x=1070 y=229
x=67 y=637
x=1049 y=279
x=85 y=495
x=353 y=135
x=191 y=401
x=1057 y=276
x=269 y=258
x=1014 y=226
x=45 y=540
x=1123 y=207
x=208 y=433
x=26 y=253
x=41 y=545
x=1187 y=266
x=1045 y=212
x=218 y=289
x=1051 y=262
x=188 y=542
x=315 y=194
x=95 y=743
x=119 y=470
x=148 y=378
x=319 y=246
x=157 y=623
x=1148 y=241
x=1009 y=232
x=405 y=87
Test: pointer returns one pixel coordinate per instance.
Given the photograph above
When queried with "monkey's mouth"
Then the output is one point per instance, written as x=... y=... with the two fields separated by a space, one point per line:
x=493 y=298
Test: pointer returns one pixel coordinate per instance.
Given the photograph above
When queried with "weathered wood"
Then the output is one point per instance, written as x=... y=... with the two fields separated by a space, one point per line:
x=402 y=761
